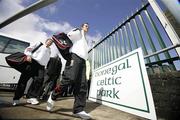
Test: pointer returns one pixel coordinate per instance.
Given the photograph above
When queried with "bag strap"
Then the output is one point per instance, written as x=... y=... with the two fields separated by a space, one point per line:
x=34 y=50
x=77 y=29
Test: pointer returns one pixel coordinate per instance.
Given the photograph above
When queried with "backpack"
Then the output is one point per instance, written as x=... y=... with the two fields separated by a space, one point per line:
x=63 y=44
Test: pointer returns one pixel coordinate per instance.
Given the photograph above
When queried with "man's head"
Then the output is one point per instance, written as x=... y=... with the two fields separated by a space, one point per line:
x=49 y=42
x=85 y=27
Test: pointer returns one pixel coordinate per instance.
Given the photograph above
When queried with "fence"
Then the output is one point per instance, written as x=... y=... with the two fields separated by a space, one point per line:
x=142 y=29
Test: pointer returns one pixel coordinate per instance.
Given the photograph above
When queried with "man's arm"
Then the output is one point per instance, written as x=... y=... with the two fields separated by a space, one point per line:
x=28 y=51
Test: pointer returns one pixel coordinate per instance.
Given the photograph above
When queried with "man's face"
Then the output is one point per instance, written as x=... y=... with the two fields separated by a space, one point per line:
x=49 y=42
x=85 y=27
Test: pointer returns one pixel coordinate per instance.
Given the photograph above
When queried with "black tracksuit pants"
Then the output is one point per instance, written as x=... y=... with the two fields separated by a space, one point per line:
x=35 y=87
x=75 y=73
x=52 y=73
x=31 y=70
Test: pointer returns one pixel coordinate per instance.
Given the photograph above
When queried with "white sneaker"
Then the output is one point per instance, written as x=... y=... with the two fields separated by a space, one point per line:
x=50 y=103
x=15 y=102
x=32 y=101
x=83 y=115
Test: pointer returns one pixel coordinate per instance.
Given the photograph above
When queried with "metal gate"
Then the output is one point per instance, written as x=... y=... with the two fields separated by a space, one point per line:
x=146 y=29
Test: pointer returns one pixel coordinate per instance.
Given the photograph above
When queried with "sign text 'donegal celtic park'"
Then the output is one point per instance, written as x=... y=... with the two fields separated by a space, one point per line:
x=111 y=79
x=123 y=84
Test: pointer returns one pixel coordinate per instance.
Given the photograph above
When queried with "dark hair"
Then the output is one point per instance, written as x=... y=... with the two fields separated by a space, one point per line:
x=84 y=24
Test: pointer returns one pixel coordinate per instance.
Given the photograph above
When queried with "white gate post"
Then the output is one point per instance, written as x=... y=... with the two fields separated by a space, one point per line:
x=166 y=24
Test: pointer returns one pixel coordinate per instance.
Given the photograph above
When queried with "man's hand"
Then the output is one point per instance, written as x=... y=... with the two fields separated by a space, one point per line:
x=29 y=59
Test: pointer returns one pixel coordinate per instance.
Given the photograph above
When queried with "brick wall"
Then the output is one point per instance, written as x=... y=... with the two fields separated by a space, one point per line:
x=166 y=94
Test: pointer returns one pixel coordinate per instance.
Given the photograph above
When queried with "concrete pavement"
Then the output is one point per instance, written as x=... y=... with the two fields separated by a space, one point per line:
x=61 y=111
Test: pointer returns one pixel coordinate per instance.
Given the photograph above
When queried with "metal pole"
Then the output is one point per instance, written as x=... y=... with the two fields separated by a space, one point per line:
x=93 y=60
x=30 y=9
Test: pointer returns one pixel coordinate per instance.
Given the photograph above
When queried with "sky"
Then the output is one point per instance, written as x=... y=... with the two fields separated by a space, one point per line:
x=102 y=15
x=63 y=15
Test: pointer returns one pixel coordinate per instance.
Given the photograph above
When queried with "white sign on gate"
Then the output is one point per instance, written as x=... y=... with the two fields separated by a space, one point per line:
x=123 y=84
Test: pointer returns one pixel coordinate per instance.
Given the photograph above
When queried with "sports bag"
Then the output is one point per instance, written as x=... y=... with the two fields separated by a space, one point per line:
x=18 y=60
x=63 y=44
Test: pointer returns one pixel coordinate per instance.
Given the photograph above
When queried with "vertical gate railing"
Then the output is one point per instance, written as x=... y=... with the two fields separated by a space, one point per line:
x=142 y=29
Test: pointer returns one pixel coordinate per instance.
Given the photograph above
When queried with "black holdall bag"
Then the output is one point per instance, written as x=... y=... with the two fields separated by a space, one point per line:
x=18 y=60
x=63 y=44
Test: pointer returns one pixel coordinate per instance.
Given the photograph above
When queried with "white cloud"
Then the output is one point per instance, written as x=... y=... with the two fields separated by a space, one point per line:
x=26 y=29
x=56 y=27
x=9 y=8
x=95 y=39
x=29 y=28
x=32 y=27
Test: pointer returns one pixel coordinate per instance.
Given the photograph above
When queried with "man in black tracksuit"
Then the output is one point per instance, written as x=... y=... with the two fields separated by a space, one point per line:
x=35 y=68
x=75 y=72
